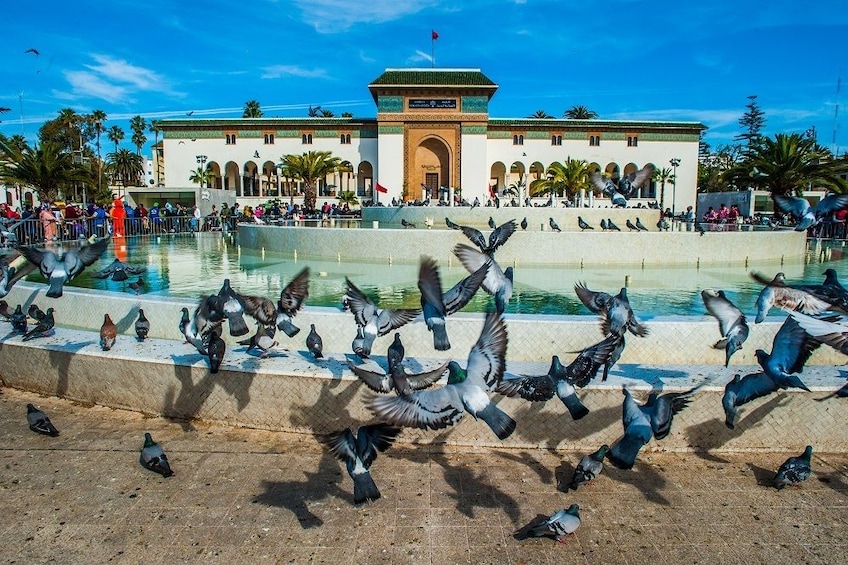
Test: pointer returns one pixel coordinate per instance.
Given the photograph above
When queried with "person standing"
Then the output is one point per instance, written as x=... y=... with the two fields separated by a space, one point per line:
x=119 y=216
x=48 y=222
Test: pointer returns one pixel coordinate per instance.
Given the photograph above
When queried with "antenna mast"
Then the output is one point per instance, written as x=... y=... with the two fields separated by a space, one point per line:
x=833 y=146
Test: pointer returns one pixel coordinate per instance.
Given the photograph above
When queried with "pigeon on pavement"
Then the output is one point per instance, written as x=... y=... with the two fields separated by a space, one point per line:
x=39 y=422
x=263 y=340
x=153 y=457
x=359 y=452
x=233 y=309
x=557 y=526
x=59 y=269
x=589 y=468
x=631 y=226
x=524 y=224
x=794 y=470
x=603 y=225
x=492 y=223
x=731 y=322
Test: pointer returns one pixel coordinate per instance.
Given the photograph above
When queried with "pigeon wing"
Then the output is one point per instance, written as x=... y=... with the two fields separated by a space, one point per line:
x=341 y=444
x=418 y=381
x=535 y=388
x=462 y=292
x=89 y=254
x=43 y=259
x=389 y=320
x=259 y=308
x=294 y=295
x=598 y=180
x=597 y=302
x=378 y=382
x=833 y=334
x=727 y=314
x=360 y=305
x=426 y=409
x=830 y=204
x=792 y=346
x=500 y=235
x=374 y=439
x=798 y=207
x=639 y=178
x=430 y=285
x=751 y=387
x=487 y=359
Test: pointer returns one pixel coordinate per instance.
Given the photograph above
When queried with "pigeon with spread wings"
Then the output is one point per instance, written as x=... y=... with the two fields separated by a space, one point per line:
x=60 y=268
x=374 y=321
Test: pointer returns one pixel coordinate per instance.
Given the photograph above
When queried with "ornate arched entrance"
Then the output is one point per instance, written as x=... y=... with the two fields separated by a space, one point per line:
x=431 y=168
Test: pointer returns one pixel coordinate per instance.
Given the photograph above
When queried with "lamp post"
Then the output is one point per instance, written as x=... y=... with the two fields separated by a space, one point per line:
x=674 y=163
x=201 y=160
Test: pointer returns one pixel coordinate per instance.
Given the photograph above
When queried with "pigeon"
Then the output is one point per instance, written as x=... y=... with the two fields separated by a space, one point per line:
x=741 y=390
x=557 y=526
x=44 y=327
x=35 y=313
x=292 y=299
x=614 y=357
x=631 y=226
x=142 y=326
x=630 y=183
x=794 y=470
x=196 y=329
x=398 y=379
x=216 y=348
x=118 y=271
x=804 y=215
x=473 y=234
x=700 y=229
x=359 y=452
x=10 y=275
x=777 y=293
x=497 y=282
x=492 y=223
x=137 y=285
x=233 y=309
x=153 y=457
x=603 y=225
x=583 y=225
x=611 y=226
x=374 y=321
x=642 y=422
x=395 y=353
x=18 y=320
x=790 y=350
x=731 y=322
x=596 y=301
x=524 y=224
x=589 y=468
x=436 y=306
x=561 y=380
x=553 y=225
x=832 y=290
x=663 y=224
x=497 y=238
x=108 y=333
x=640 y=225
x=466 y=389
x=619 y=317
x=34 y=51
x=358 y=343
x=59 y=269
x=39 y=422
x=832 y=333
x=314 y=343
x=4 y=310
x=406 y=224
x=263 y=340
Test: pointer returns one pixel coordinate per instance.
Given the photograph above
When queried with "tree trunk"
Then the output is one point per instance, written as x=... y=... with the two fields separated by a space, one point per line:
x=309 y=196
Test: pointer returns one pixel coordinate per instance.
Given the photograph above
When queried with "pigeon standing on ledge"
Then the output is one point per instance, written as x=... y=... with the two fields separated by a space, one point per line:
x=142 y=326
x=581 y=223
x=553 y=225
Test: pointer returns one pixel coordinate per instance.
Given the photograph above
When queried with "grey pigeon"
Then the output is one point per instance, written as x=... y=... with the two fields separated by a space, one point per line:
x=44 y=327
x=497 y=238
x=59 y=269
x=39 y=422
x=359 y=452
x=193 y=334
x=397 y=378
x=794 y=470
x=640 y=225
x=233 y=309
x=731 y=322
x=118 y=271
x=741 y=390
x=492 y=223
x=790 y=350
x=358 y=343
x=216 y=348
x=611 y=226
x=524 y=224
x=263 y=340
x=631 y=226
x=803 y=213
x=18 y=320
x=611 y=189
x=153 y=457
x=603 y=225
x=630 y=183
x=395 y=353
x=613 y=358
x=373 y=320
x=142 y=326
x=406 y=224
x=619 y=317
x=466 y=389
x=589 y=467
x=35 y=313
x=777 y=293
x=553 y=225
x=436 y=306
x=292 y=299
x=473 y=234
x=596 y=301
x=833 y=291
x=558 y=525
x=497 y=282
x=314 y=343
x=581 y=223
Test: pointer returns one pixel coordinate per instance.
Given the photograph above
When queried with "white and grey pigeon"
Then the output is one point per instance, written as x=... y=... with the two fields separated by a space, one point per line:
x=558 y=525
x=805 y=216
x=374 y=321
x=397 y=378
x=731 y=322
x=794 y=470
x=497 y=282
x=619 y=318
x=314 y=343
x=359 y=452
x=153 y=457
x=59 y=269
x=39 y=422
x=233 y=309
x=466 y=390
x=777 y=293
x=263 y=340
x=589 y=467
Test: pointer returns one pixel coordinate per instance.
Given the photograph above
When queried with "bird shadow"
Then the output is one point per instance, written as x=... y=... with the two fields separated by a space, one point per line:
x=335 y=367
x=644 y=477
x=330 y=411
x=128 y=321
x=523 y=533
x=61 y=361
x=527 y=459
x=835 y=481
x=563 y=474
x=764 y=477
x=654 y=376
x=536 y=426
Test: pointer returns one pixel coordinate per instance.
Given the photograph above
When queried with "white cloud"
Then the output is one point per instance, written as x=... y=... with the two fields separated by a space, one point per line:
x=420 y=56
x=278 y=71
x=113 y=80
x=85 y=84
x=334 y=16
x=119 y=70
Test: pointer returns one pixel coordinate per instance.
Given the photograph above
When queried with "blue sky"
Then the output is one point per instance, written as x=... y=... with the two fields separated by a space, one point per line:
x=625 y=59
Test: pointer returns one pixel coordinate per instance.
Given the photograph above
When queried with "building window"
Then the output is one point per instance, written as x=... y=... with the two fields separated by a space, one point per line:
x=594 y=140
x=632 y=141
x=345 y=139
x=230 y=139
x=556 y=140
x=306 y=139
x=518 y=140
x=269 y=139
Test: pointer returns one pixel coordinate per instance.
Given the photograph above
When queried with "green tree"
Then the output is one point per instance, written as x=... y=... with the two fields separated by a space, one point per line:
x=787 y=165
x=49 y=168
x=115 y=135
x=138 y=125
x=65 y=130
x=125 y=167
x=540 y=115
x=202 y=176
x=309 y=168
x=327 y=113
x=751 y=122
x=580 y=113
x=563 y=179
x=349 y=198
x=663 y=176
x=252 y=109
x=347 y=114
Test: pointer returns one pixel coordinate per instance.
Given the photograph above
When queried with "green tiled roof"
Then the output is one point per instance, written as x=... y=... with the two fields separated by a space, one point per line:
x=266 y=123
x=433 y=77
x=590 y=124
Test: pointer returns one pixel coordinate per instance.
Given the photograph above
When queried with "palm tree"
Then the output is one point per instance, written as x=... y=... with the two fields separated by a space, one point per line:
x=95 y=120
x=540 y=115
x=154 y=129
x=125 y=166
x=48 y=168
x=663 y=176
x=138 y=125
x=314 y=111
x=349 y=198
x=580 y=113
x=310 y=167
x=327 y=113
x=563 y=179
x=202 y=176
x=787 y=165
x=115 y=135
x=252 y=109
x=347 y=114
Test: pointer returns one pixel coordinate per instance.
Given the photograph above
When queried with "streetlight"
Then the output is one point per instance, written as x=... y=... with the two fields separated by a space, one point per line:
x=201 y=160
x=675 y=162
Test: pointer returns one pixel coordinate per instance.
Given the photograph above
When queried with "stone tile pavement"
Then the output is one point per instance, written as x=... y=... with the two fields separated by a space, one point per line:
x=250 y=496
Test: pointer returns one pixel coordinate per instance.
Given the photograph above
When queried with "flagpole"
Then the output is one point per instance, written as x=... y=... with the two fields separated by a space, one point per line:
x=432 y=50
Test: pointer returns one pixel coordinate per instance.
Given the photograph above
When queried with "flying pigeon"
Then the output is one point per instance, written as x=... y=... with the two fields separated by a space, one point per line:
x=397 y=378
x=19 y=320
x=492 y=223
x=153 y=457
x=108 y=333
x=406 y=224
x=631 y=226
x=436 y=305
x=314 y=343
x=292 y=298
x=44 y=327
x=790 y=350
x=466 y=389
x=794 y=470
x=374 y=321
x=359 y=452
x=39 y=422
x=613 y=358
x=731 y=322
x=497 y=238
x=263 y=340
x=524 y=224
x=589 y=468
x=805 y=216
x=742 y=390
x=118 y=271
x=630 y=183
x=640 y=225
x=557 y=526
x=777 y=293
x=619 y=317
x=583 y=225
x=596 y=301
x=611 y=226
x=358 y=343
x=10 y=275
x=142 y=325
x=216 y=348
x=34 y=51
x=497 y=282
x=197 y=329
x=59 y=269
x=553 y=225
x=832 y=333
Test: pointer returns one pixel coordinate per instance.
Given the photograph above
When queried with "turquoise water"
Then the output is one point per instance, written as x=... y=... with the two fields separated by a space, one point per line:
x=189 y=267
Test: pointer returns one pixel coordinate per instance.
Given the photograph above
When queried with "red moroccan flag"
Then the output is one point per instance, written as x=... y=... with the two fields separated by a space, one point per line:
x=434 y=35
x=381 y=188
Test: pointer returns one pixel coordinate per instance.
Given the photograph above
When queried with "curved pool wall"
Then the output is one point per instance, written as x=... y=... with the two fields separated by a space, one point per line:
x=531 y=247
x=290 y=392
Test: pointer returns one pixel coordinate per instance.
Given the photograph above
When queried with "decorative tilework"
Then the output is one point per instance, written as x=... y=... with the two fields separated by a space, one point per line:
x=390 y=104
x=475 y=104
x=390 y=129
x=474 y=130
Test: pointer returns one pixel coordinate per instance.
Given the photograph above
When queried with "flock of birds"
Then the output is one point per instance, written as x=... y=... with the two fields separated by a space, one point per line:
x=400 y=398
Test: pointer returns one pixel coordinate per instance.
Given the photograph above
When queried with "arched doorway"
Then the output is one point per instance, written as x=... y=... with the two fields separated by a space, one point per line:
x=431 y=170
x=232 y=177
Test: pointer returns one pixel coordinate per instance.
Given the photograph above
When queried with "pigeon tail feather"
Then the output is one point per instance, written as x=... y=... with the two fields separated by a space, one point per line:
x=623 y=454
x=364 y=488
x=575 y=407
x=498 y=420
x=288 y=328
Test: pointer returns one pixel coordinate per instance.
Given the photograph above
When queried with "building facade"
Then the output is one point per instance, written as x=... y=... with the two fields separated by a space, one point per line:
x=432 y=138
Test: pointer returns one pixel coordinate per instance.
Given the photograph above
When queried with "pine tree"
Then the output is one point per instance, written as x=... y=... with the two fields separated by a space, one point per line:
x=751 y=122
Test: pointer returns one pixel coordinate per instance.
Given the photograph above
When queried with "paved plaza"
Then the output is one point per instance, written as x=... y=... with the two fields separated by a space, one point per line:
x=252 y=496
